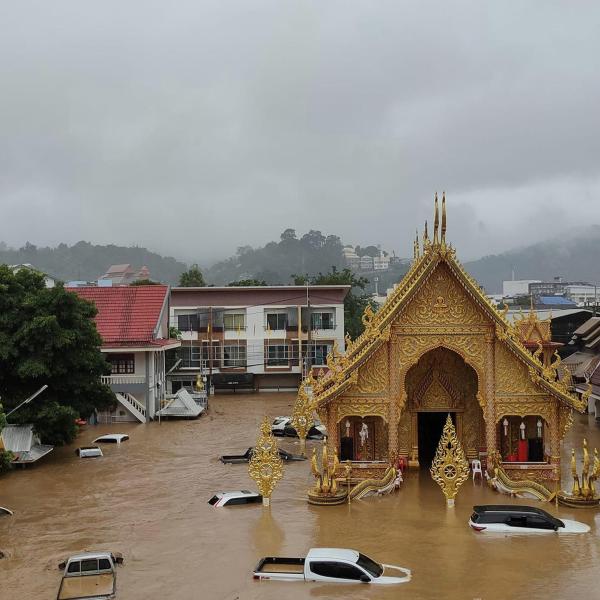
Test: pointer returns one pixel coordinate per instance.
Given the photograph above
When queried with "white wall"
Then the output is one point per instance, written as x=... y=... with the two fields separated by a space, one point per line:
x=517 y=287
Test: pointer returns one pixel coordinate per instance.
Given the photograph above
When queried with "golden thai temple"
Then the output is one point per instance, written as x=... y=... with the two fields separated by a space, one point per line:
x=438 y=346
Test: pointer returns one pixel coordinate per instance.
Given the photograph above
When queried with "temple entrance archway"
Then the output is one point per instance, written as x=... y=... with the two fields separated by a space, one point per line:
x=441 y=382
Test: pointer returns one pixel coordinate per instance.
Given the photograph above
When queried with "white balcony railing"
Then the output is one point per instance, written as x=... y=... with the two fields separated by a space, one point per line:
x=122 y=379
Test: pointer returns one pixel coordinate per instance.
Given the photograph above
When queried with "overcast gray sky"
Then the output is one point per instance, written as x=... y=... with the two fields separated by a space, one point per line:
x=193 y=127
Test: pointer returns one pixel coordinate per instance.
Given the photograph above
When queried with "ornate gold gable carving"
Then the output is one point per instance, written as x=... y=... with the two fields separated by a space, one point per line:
x=512 y=376
x=373 y=375
x=442 y=301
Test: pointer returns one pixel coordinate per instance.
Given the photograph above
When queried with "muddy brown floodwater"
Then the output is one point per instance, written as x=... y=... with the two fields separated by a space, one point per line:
x=148 y=499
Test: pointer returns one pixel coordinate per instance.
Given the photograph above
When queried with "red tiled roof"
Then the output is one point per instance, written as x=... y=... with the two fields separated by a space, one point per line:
x=126 y=314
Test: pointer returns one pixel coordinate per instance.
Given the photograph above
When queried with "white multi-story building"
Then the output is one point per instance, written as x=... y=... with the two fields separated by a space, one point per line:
x=350 y=257
x=381 y=262
x=255 y=337
x=582 y=293
x=518 y=287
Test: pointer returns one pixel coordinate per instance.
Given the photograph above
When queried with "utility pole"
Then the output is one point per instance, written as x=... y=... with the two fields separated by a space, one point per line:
x=309 y=333
x=210 y=349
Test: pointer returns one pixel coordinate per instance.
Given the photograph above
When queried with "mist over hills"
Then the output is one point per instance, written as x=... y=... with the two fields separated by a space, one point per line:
x=87 y=261
x=575 y=257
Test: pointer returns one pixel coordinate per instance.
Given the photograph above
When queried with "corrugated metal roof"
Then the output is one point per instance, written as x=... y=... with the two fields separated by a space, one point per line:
x=18 y=438
x=556 y=301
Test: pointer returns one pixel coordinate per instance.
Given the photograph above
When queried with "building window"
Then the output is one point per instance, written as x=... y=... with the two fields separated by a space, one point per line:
x=234 y=321
x=277 y=355
x=190 y=357
x=234 y=356
x=122 y=364
x=317 y=352
x=277 y=321
x=187 y=322
x=322 y=320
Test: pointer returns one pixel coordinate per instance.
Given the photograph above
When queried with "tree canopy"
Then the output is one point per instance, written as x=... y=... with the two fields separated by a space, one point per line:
x=48 y=336
x=312 y=252
x=192 y=277
x=247 y=283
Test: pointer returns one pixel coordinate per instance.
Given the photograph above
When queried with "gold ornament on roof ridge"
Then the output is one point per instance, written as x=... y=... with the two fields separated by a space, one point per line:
x=450 y=468
x=266 y=466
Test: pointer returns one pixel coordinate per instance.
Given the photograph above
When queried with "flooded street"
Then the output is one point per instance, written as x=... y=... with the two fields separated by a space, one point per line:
x=148 y=500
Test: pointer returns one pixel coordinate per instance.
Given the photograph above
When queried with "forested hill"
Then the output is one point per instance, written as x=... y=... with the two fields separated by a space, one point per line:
x=574 y=258
x=275 y=262
x=87 y=261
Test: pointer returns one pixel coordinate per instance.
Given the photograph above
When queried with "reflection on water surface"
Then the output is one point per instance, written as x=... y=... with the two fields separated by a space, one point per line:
x=147 y=498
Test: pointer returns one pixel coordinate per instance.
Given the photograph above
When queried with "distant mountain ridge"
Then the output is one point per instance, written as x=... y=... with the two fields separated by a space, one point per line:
x=85 y=261
x=574 y=258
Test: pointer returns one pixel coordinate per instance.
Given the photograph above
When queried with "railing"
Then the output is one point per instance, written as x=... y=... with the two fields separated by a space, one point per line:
x=122 y=379
x=131 y=400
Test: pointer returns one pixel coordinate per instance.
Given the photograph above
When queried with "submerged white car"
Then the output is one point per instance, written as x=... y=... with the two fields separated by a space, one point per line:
x=501 y=518
x=335 y=565
x=278 y=425
x=111 y=438
x=233 y=498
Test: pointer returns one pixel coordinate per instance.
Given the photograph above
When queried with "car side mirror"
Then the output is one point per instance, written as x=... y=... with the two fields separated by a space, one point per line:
x=365 y=579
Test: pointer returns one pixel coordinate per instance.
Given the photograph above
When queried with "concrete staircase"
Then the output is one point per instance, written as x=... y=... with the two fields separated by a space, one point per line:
x=132 y=405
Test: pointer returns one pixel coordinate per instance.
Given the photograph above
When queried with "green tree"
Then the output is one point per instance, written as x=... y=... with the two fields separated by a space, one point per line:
x=356 y=300
x=48 y=336
x=144 y=282
x=247 y=283
x=192 y=277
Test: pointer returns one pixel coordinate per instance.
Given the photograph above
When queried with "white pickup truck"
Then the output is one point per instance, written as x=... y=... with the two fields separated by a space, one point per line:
x=330 y=564
x=89 y=575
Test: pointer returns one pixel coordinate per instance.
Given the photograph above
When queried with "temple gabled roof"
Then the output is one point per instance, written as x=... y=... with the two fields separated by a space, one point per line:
x=344 y=368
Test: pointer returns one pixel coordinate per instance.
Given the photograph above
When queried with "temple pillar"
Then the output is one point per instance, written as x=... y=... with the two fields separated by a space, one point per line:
x=555 y=441
x=394 y=386
x=332 y=430
x=489 y=385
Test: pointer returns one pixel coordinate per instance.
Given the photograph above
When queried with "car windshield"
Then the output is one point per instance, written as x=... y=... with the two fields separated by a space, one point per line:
x=369 y=565
x=213 y=500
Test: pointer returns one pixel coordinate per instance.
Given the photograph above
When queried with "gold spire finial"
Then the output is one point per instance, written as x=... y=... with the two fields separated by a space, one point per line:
x=443 y=218
x=436 y=221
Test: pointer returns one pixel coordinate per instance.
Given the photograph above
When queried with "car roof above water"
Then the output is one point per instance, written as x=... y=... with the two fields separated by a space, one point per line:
x=333 y=554
x=517 y=510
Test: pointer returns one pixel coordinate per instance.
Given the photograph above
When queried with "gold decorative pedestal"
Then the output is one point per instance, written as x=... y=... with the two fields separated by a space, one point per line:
x=449 y=468
x=583 y=493
x=326 y=491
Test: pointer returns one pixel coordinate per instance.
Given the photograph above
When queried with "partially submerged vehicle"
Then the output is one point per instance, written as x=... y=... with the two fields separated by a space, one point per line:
x=233 y=498
x=111 y=438
x=89 y=452
x=244 y=458
x=278 y=425
x=5 y=511
x=330 y=564
x=89 y=575
x=317 y=432
x=501 y=518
